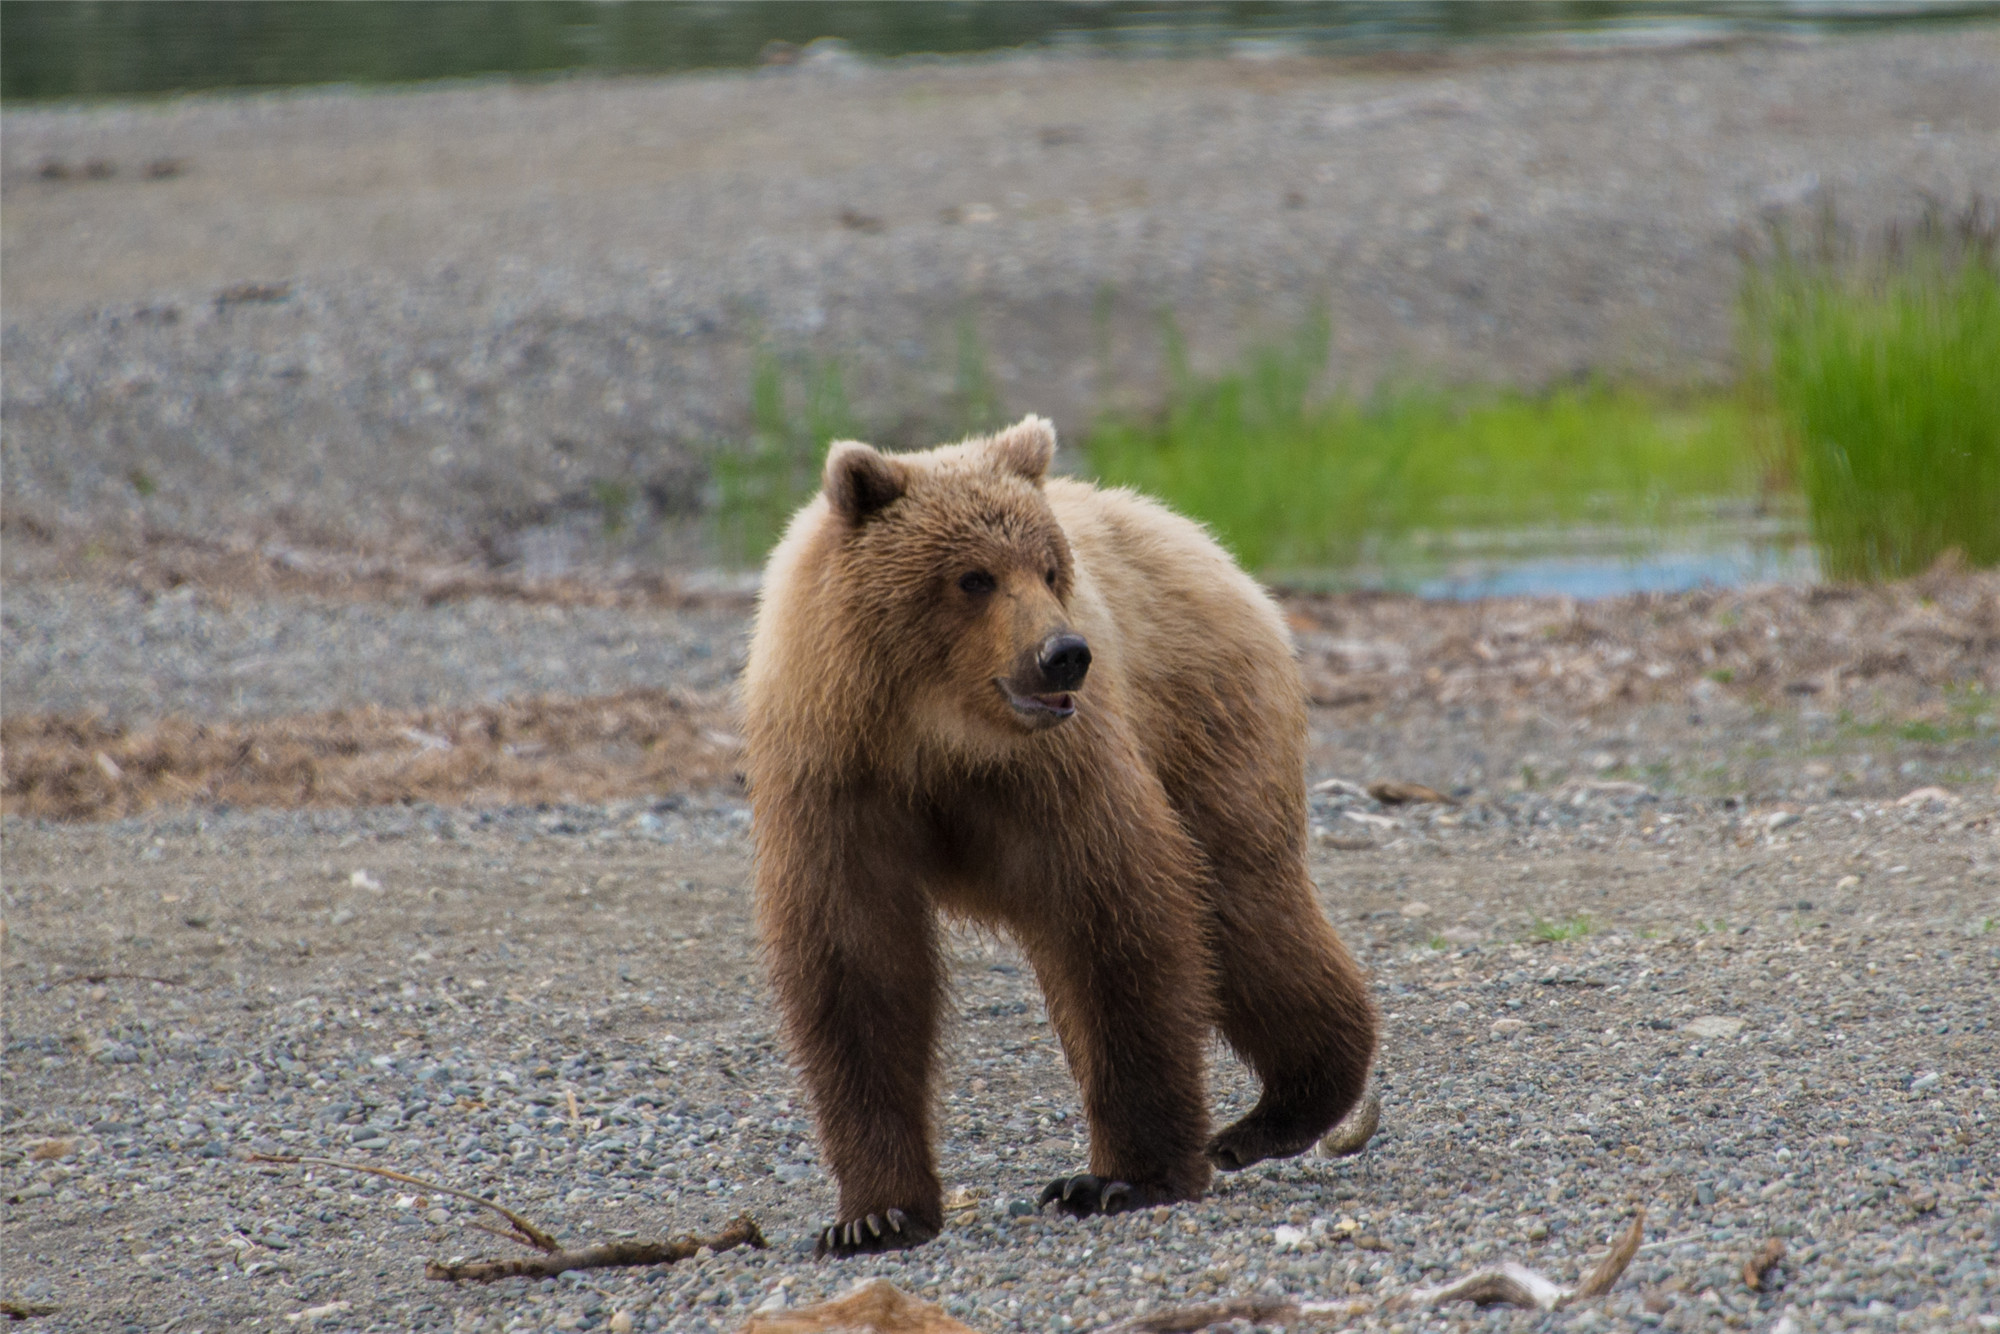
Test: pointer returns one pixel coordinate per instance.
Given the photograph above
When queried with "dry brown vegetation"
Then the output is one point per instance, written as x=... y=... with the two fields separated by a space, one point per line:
x=1919 y=650
x=1909 y=643
x=542 y=749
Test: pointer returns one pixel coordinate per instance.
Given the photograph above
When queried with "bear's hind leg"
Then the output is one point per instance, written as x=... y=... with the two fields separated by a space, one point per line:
x=1295 y=1007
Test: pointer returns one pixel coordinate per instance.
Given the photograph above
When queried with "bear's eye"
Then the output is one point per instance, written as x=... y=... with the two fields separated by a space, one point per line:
x=977 y=582
x=1050 y=578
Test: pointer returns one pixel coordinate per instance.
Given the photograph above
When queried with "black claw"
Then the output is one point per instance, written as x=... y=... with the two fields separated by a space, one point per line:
x=890 y=1230
x=1083 y=1195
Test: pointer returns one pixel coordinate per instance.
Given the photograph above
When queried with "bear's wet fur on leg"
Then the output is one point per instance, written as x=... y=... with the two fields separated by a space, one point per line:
x=1064 y=712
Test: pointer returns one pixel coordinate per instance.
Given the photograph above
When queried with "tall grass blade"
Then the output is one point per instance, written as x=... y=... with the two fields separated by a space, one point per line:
x=1885 y=377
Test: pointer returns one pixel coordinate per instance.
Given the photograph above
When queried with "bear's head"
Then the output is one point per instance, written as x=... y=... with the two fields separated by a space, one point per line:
x=955 y=577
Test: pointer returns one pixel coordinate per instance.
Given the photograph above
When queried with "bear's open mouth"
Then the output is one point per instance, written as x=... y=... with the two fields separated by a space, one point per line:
x=1039 y=706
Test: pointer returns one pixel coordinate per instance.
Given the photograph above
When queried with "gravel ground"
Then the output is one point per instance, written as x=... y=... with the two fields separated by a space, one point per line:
x=1681 y=945
x=470 y=315
x=134 y=656
x=1755 y=1027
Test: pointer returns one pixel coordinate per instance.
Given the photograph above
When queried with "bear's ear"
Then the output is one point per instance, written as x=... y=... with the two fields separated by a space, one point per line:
x=1026 y=447
x=860 y=481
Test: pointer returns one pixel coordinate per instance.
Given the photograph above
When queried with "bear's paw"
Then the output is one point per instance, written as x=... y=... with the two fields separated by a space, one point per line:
x=890 y=1230
x=1083 y=1195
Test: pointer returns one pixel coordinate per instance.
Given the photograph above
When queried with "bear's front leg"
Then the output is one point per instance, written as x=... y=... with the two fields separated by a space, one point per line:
x=851 y=944
x=1125 y=971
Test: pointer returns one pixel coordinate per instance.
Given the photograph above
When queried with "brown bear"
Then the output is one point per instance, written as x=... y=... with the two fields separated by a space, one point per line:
x=1067 y=713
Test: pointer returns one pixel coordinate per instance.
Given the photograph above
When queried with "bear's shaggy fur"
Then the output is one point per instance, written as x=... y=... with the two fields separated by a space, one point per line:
x=919 y=740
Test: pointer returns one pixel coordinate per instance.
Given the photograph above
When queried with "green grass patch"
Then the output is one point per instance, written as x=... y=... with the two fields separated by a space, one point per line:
x=1885 y=379
x=1970 y=713
x=1870 y=392
x=1290 y=479
x=1555 y=933
x=796 y=408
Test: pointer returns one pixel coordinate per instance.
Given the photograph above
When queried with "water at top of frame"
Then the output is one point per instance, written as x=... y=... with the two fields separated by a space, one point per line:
x=56 y=49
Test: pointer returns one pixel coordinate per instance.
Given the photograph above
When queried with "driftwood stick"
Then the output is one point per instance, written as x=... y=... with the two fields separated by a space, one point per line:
x=524 y=1232
x=1506 y=1284
x=1612 y=1267
x=94 y=978
x=26 y=1310
x=1517 y=1285
x=607 y=1255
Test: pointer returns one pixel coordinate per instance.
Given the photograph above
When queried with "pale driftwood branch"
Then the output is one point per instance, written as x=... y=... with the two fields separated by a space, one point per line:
x=1507 y=1284
x=524 y=1232
x=1351 y=1136
x=608 y=1255
x=1517 y=1285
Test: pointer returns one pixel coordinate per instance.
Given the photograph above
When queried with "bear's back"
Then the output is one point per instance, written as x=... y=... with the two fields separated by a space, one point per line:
x=1198 y=646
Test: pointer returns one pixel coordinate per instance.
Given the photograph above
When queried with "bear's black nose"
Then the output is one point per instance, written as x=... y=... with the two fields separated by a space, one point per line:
x=1064 y=660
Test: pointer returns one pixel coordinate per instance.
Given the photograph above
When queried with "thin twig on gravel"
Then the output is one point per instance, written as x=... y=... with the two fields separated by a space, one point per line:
x=107 y=977
x=1612 y=1266
x=528 y=1233
x=1762 y=1263
x=26 y=1310
x=1509 y=1284
x=554 y=1259
x=605 y=1255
